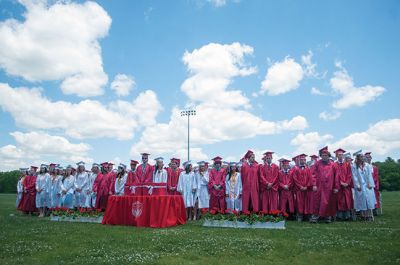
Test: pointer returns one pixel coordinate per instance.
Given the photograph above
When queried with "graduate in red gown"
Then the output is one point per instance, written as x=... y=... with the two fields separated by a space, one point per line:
x=112 y=175
x=325 y=188
x=286 y=199
x=101 y=187
x=144 y=172
x=132 y=178
x=173 y=172
x=302 y=183
x=217 y=185
x=250 y=174
x=28 y=200
x=343 y=175
x=375 y=176
x=269 y=184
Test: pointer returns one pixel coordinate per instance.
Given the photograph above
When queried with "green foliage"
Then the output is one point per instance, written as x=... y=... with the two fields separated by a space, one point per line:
x=8 y=181
x=33 y=240
x=389 y=174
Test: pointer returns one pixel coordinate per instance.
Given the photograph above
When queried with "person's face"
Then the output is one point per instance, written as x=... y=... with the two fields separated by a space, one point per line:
x=325 y=157
x=145 y=159
x=189 y=168
x=268 y=159
x=110 y=168
x=69 y=171
x=339 y=156
x=81 y=169
x=252 y=158
x=233 y=169
x=348 y=159
x=160 y=164
x=217 y=165
x=173 y=165
x=224 y=166
x=303 y=161
x=202 y=168
x=95 y=170
x=42 y=170
x=285 y=166
x=368 y=158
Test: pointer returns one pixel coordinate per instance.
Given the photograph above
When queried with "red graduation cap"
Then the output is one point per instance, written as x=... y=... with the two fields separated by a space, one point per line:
x=302 y=156
x=52 y=165
x=285 y=161
x=104 y=164
x=145 y=154
x=206 y=164
x=314 y=156
x=110 y=164
x=268 y=153
x=34 y=168
x=248 y=154
x=340 y=150
x=295 y=158
x=324 y=150
x=217 y=159
x=134 y=162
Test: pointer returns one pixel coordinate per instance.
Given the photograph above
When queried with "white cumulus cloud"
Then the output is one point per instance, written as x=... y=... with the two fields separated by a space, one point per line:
x=57 y=41
x=329 y=116
x=122 y=84
x=309 y=143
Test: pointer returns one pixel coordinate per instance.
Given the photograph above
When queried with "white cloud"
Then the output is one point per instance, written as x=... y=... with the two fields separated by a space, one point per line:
x=57 y=42
x=86 y=119
x=316 y=91
x=381 y=138
x=329 y=116
x=352 y=96
x=37 y=147
x=218 y=3
x=122 y=84
x=220 y=118
x=309 y=143
x=309 y=67
x=282 y=77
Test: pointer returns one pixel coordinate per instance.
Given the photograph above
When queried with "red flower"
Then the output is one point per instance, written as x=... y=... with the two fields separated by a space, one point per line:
x=286 y=215
x=98 y=210
x=213 y=212
x=275 y=212
x=204 y=210
x=222 y=211
x=246 y=212
x=235 y=212
x=228 y=210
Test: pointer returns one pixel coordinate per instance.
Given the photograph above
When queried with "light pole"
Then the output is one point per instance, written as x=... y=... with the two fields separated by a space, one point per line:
x=188 y=113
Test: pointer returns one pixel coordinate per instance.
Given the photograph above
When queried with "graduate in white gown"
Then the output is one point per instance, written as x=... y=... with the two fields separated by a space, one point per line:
x=364 y=195
x=68 y=189
x=202 y=186
x=120 y=180
x=55 y=187
x=20 y=186
x=42 y=190
x=187 y=186
x=160 y=175
x=90 y=195
x=233 y=189
x=80 y=185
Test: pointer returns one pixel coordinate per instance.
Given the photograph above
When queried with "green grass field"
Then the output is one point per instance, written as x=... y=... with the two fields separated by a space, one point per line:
x=30 y=240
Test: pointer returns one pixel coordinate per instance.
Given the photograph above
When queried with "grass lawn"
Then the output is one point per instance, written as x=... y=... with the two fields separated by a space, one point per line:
x=30 y=240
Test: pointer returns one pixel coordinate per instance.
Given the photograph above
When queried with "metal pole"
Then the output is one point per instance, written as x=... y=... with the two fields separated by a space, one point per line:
x=188 y=138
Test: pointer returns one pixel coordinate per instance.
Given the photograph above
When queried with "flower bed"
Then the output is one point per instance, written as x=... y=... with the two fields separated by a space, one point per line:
x=80 y=215
x=272 y=220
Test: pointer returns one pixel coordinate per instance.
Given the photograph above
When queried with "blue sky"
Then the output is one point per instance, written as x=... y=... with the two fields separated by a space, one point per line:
x=341 y=50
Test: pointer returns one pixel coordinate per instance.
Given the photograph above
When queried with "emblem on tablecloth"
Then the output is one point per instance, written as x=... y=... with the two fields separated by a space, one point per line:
x=137 y=208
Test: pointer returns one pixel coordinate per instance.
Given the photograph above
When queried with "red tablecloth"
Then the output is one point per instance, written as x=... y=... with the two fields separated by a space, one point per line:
x=145 y=211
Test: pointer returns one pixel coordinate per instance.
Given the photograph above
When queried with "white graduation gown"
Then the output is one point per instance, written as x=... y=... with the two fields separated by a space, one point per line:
x=90 y=195
x=55 y=191
x=233 y=191
x=42 y=197
x=20 y=191
x=81 y=182
x=202 y=194
x=120 y=185
x=187 y=182
x=364 y=199
x=68 y=192
x=160 y=176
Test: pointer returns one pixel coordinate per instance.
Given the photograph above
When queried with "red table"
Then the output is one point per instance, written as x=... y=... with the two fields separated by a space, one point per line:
x=145 y=211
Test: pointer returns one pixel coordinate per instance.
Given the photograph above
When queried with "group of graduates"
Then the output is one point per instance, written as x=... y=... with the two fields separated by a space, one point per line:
x=324 y=188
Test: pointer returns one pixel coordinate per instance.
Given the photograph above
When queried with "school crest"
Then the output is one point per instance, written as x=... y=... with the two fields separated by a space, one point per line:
x=137 y=209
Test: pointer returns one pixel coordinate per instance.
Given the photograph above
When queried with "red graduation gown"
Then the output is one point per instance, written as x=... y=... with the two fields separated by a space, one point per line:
x=217 y=197
x=145 y=175
x=269 y=174
x=302 y=178
x=102 y=188
x=132 y=178
x=28 y=200
x=324 y=203
x=286 y=200
x=250 y=186
x=343 y=174
x=375 y=176
x=172 y=181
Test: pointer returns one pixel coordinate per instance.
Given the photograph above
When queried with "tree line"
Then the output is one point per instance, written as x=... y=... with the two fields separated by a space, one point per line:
x=389 y=176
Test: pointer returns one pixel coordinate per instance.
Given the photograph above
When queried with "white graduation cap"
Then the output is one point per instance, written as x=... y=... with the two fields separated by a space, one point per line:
x=359 y=152
x=95 y=165
x=81 y=163
x=185 y=164
x=44 y=166
x=23 y=169
x=201 y=163
x=346 y=155
x=122 y=166
x=225 y=163
x=233 y=164
x=69 y=166
x=159 y=159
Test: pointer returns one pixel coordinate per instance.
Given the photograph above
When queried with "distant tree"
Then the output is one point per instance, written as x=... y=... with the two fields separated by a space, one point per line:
x=389 y=174
x=8 y=181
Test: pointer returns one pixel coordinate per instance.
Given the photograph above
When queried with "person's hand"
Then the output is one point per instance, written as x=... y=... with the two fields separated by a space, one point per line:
x=335 y=191
x=359 y=188
x=314 y=188
x=193 y=190
x=286 y=187
x=78 y=189
x=344 y=184
x=240 y=196
x=303 y=188
x=269 y=186
x=369 y=186
x=110 y=193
